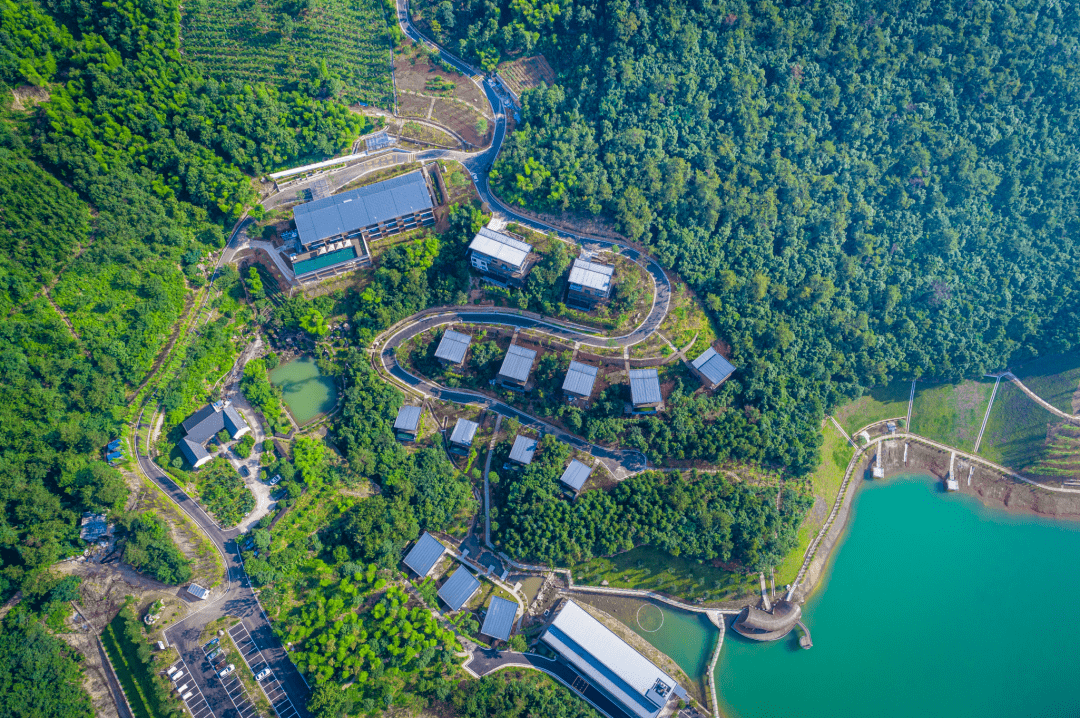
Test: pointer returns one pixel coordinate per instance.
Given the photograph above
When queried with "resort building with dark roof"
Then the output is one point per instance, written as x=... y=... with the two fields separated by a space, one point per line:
x=523 y=450
x=610 y=664
x=461 y=437
x=712 y=368
x=407 y=423
x=424 y=555
x=579 y=382
x=499 y=620
x=590 y=283
x=645 y=388
x=504 y=258
x=453 y=347
x=576 y=474
x=459 y=588
x=204 y=425
x=333 y=232
x=516 y=366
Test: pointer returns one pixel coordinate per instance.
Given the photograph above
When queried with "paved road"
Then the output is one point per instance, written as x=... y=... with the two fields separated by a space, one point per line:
x=485 y=661
x=237 y=600
x=621 y=462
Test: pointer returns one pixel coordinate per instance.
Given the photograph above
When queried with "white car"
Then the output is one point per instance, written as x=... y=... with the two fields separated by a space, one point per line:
x=226 y=670
x=262 y=674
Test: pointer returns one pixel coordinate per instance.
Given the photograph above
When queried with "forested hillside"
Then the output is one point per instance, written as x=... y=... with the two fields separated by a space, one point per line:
x=858 y=190
x=120 y=168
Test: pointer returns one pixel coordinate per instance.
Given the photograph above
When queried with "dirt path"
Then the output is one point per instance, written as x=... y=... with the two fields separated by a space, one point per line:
x=98 y=680
x=1042 y=402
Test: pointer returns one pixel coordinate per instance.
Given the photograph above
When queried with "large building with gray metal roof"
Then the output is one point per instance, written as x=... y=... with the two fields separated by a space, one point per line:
x=523 y=450
x=576 y=474
x=453 y=347
x=609 y=663
x=645 y=388
x=333 y=231
x=500 y=256
x=459 y=588
x=580 y=380
x=516 y=366
x=589 y=283
x=712 y=368
x=499 y=621
x=424 y=555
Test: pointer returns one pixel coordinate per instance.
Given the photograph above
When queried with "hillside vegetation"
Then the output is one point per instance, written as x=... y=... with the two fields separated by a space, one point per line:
x=857 y=190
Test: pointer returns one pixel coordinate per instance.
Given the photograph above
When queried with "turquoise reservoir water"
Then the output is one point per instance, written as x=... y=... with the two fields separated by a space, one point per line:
x=935 y=606
x=304 y=389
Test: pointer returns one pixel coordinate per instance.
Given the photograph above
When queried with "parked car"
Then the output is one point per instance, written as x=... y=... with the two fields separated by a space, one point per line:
x=213 y=654
x=262 y=674
x=226 y=670
x=274 y=481
x=245 y=471
x=210 y=644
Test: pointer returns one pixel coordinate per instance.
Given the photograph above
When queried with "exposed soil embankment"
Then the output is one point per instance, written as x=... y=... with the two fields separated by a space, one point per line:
x=991 y=487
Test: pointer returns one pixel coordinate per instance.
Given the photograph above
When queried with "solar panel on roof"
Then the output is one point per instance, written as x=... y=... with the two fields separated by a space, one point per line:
x=459 y=588
x=425 y=554
x=453 y=346
x=580 y=379
x=644 y=386
x=517 y=363
x=499 y=620
x=576 y=475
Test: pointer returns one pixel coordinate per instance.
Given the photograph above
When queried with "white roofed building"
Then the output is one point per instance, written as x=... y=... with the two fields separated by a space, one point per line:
x=590 y=283
x=610 y=664
x=500 y=256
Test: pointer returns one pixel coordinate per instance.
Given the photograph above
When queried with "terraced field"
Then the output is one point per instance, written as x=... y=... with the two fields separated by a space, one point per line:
x=258 y=40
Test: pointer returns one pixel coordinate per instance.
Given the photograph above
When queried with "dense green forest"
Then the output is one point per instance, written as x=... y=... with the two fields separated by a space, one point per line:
x=859 y=190
x=39 y=675
x=705 y=516
x=149 y=549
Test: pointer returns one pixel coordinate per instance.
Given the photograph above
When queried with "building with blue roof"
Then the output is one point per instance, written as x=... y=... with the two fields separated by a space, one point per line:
x=114 y=456
x=424 y=555
x=712 y=368
x=459 y=588
x=609 y=663
x=645 y=388
x=407 y=423
x=333 y=232
x=499 y=620
x=114 y=445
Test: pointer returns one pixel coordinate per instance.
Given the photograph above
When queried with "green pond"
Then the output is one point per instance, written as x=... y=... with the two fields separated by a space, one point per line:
x=304 y=389
x=934 y=606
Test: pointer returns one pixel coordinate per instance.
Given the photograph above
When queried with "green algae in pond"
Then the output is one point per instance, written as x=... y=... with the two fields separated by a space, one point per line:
x=304 y=389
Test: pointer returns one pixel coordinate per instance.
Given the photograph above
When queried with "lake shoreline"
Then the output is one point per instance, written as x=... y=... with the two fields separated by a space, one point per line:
x=993 y=490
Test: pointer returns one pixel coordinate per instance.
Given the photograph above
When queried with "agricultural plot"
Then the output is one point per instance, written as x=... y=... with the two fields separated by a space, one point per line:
x=526 y=73
x=464 y=120
x=416 y=72
x=883 y=402
x=231 y=39
x=951 y=413
x=413 y=105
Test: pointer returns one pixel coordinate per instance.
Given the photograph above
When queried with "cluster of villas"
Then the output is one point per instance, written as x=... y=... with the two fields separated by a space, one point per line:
x=594 y=659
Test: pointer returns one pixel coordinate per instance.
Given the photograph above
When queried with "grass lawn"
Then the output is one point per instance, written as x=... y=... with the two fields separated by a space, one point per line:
x=1056 y=379
x=652 y=569
x=685 y=320
x=883 y=402
x=836 y=453
x=132 y=673
x=951 y=413
x=1016 y=431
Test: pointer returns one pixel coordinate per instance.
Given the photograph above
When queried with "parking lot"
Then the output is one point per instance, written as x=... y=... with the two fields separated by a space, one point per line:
x=270 y=685
x=189 y=690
